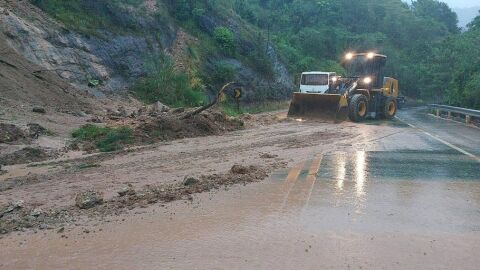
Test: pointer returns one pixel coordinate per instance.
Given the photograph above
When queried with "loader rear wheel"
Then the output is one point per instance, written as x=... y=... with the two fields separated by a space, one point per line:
x=358 y=108
x=390 y=108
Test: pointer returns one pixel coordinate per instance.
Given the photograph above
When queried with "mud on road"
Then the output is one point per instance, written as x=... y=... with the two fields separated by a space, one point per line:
x=43 y=195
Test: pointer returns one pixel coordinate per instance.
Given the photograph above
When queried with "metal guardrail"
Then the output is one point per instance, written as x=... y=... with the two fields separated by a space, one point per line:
x=468 y=113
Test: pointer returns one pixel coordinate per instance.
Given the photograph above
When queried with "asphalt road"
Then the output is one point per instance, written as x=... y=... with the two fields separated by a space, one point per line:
x=408 y=199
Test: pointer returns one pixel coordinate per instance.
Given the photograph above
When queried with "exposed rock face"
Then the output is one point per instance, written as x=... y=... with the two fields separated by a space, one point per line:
x=114 y=59
x=111 y=60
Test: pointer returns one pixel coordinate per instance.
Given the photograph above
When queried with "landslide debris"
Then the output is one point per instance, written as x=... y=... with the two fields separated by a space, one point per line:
x=26 y=155
x=18 y=216
x=151 y=125
x=172 y=125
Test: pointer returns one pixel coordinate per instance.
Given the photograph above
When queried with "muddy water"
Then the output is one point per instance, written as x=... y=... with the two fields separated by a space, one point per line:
x=369 y=210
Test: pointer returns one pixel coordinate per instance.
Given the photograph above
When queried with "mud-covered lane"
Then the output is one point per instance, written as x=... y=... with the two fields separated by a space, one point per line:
x=387 y=197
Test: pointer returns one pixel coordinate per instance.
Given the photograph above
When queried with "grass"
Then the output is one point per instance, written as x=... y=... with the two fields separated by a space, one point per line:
x=168 y=86
x=106 y=139
x=85 y=17
x=254 y=108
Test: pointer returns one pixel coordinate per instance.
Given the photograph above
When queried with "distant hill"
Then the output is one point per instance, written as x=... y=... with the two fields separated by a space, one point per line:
x=466 y=15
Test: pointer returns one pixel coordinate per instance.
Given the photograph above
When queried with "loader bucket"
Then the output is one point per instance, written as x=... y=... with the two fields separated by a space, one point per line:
x=330 y=107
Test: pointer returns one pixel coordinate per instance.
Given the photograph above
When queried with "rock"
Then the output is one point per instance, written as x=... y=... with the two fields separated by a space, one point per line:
x=190 y=181
x=126 y=191
x=239 y=169
x=61 y=230
x=10 y=133
x=88 y=199
x=39 y=110
x=36 y=130
x=12 y=207
x=36 y=212
x=94 y=119
x=18 y=204
x=160 y=107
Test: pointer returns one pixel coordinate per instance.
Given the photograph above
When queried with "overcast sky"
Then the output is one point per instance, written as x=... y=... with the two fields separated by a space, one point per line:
x=460 y=3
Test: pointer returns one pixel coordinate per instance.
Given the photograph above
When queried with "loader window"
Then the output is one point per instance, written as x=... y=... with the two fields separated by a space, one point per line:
x=361 y=66
x=315 y=79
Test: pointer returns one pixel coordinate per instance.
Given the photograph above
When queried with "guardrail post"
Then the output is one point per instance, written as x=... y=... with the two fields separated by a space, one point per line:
x=438 y=112
x=468 y=119
x=449 y=115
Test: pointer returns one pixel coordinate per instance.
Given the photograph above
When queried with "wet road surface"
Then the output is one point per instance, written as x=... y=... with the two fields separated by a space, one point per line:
x=409 y=200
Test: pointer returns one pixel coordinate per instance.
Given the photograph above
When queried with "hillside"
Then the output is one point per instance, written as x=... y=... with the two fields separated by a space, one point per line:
x=112 y=46
x=181 y=52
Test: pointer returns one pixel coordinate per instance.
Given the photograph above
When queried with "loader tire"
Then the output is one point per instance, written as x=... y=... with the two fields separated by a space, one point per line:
x=390 y=108
x=358 y=108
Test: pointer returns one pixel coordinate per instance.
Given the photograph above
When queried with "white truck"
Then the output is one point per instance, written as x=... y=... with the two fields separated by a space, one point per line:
x=316 y=82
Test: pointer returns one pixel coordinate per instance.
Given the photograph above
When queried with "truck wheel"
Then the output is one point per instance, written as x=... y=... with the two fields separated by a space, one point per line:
x=358 y=108
x=390 y=108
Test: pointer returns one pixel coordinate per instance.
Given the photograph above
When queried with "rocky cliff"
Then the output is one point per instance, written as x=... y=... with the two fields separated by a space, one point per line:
x=110 y=55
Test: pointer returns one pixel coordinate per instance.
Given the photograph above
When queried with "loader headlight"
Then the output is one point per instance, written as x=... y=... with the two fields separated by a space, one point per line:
x=370 y=55
x=349 y=56
x=367 y=80
x=334 y=79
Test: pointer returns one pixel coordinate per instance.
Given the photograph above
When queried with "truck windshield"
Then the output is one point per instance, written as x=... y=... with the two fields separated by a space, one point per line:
x=315 y=79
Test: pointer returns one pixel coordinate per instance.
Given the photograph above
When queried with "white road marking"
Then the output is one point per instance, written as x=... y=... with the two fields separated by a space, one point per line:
x=443 y=141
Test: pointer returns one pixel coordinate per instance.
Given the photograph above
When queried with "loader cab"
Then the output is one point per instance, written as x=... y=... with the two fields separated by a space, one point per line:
x=316 y=82
x=368 y=67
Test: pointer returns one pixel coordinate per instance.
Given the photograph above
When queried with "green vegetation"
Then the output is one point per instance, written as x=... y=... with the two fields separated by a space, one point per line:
x=224 y=37
x=168 y=86
x=430 y=56
x=106 y=139
x=87 y=16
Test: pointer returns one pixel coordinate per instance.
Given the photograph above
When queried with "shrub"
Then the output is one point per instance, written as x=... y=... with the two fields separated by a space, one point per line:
x=106 y=139
x=115 y=139
x=225 y=39
x=170 y=87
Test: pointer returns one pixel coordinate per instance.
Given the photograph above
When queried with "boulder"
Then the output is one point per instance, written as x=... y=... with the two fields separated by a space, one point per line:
x=39 y=110
x=36 y=130
x=10 y=133
x=190 y=181
x=88 y=199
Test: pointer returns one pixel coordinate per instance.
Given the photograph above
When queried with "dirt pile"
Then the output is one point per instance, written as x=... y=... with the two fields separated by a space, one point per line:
x=17 y=216
x=170 y=126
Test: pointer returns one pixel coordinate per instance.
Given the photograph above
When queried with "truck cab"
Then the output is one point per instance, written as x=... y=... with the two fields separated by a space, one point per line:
x=316 y=82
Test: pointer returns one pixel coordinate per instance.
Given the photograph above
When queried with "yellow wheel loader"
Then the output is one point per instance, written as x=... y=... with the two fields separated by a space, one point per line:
x=363 y=93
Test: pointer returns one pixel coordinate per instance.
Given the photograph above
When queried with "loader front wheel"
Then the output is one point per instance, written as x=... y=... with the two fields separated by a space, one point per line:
x=390 y=108
x=358 y=108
